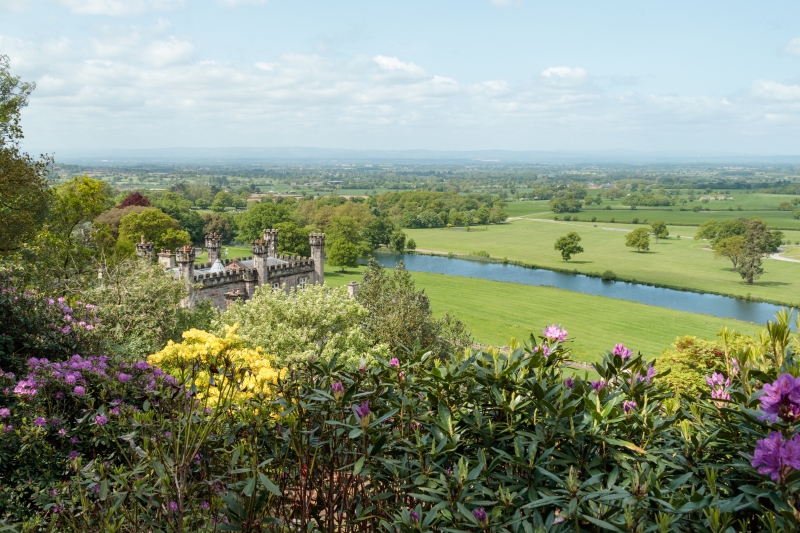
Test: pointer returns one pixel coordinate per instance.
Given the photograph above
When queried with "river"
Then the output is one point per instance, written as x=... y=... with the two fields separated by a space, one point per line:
x=709 y=304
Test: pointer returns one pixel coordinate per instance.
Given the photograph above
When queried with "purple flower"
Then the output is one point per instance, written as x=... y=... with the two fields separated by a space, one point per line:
x=55 y=422
x=363 y=413
x=59 y=396
x=716 y=379
x=414 y=516
x=26 y=387
x=480 y=515
x=394 y=363
x=62 y=432
x=114 y=411
x=205 y=505
x=123 y=378
x=70 y=379
x=768 y=456
x=598 y=385
x=5 y=412
x=628 y=406
x=100 y=420
x=553 y=333
x=545 y=350
x=781 y=399
x=78 y=391
x=8 y=428
x=40 y=421
x=173 y=506
x=74 y=440
x=338 y=390
x=73 y=455
x=569 y=383
x=622 y=351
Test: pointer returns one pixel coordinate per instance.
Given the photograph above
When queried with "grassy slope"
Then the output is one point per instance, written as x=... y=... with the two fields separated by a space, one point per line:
x=675 y=262
x=496 y=311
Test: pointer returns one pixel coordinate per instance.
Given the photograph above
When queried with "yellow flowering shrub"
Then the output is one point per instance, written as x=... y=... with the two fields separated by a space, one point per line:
x=203 y=356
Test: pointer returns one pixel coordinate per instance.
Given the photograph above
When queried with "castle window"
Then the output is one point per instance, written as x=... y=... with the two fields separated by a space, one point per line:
x=276 y=286
x=303 y=282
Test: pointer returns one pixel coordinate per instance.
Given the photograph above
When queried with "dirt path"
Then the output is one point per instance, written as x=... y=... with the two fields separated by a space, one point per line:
x=779 y=257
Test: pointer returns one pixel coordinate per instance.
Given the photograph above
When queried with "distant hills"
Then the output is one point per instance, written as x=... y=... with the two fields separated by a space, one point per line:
x=298 y=155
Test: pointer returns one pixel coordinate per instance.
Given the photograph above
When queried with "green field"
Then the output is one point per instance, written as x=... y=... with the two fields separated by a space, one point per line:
x=496 y=311
x=673 y=262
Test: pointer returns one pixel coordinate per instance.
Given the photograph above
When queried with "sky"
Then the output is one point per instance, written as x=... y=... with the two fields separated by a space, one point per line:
x=679 y=76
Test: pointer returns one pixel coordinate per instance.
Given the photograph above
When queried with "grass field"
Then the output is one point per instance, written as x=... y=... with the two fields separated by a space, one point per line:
x=673 y=262
x=496 y=311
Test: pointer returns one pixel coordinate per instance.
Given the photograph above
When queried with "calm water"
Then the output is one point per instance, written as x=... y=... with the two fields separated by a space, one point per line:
x=709 y=304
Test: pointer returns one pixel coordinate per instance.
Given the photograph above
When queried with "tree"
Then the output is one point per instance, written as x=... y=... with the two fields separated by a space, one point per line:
x=707 y=230
x=659 y=229
x=568 y=245
x=24 y=196
x=565 y=205
x=156 y=227
x=732 y=248
x=14 y=95
x=378 y=231
x=317 y=323
x=755 y=243
x=219 y=224
x=399 y=315
x=112 y=218
x=411 y=244
x=266 y=215
x=134 y=198
x=344 y=254
x=398 y=241
x=293 y=240
x=639 y=239
x=729 y=228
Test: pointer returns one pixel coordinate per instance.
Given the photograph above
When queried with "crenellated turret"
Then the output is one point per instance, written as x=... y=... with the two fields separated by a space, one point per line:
x=213 y=245
x=317 y=241
x=185 y=259
x=146 y=250
x=271 y=239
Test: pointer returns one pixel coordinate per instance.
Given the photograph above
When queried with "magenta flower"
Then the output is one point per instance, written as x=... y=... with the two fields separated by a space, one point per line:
x=781 y=399
x=73 y=455
x=8 y=428
x=775 y=457
x=628 y=406
x=173 y=506
x=123 y=378
x=569 y=383
x=205 y=505
x=598 y=385
x=480 y=515
x=363 y=413
x=553 y=333
x=78 y=391
x=545 y=350
x=394 y=363
x=26 y=387
x=338 y=390
x=622 y=351
x=414 y=516
x=62 y=432
x=40 y=421
x=100 y=420
x=5 y=412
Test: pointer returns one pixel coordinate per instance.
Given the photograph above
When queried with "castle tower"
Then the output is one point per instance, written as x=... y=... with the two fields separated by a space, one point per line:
x=260 y=249
x=213 y=245
x=185 y=259
x=271 y=238
x=146 y=250
x=166 y=258
x=317 y=241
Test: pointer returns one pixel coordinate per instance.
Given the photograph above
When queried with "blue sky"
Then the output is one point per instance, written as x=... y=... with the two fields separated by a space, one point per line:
x=706 y=76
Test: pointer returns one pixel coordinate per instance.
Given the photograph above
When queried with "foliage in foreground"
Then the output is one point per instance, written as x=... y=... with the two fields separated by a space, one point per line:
x=477 y=441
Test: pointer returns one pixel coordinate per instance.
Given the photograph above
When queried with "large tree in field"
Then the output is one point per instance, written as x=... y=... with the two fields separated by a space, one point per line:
x=756 y=243
x=639 y=239
x=659 y=229
x=731 y=248
x=156 y=227
x=569 y=245
x=267 y=215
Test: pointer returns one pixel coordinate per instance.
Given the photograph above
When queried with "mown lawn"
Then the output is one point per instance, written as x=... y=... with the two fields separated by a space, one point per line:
x=496 y=311
x=673 y=262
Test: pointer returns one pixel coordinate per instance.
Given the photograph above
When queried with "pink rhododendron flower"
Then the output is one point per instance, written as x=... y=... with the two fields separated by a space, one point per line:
x=781 y=399
x=622 y=351
x=553 y=333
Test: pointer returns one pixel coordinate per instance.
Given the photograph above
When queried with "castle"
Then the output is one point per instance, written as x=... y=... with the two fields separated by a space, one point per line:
x=224 y=281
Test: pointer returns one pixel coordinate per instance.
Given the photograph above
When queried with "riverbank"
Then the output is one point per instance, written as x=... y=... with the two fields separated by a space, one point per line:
x=673 y=263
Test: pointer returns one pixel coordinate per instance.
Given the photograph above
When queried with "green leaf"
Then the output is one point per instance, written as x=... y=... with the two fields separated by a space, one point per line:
x=269 y=485
x=103 y=490
x=359 y=465
x=249 y=487
x=602 y=523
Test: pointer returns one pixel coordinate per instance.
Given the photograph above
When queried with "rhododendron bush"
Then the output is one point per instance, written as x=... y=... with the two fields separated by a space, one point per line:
x=209 y=435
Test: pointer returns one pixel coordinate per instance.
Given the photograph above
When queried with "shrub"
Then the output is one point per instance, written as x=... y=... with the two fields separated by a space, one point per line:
x=612 y=220
x=635 y=220
x=594 y=219
x=318 y=322
x=608 y=275
x=567 y=218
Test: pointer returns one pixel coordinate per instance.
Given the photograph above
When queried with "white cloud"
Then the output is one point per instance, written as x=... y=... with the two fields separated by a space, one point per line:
x=771 y=90
x=564 y=73
x=168 y=52
x=119 y=8
x=390 y=63
x=13 y=6
x=265 y=66
x=793 y=47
